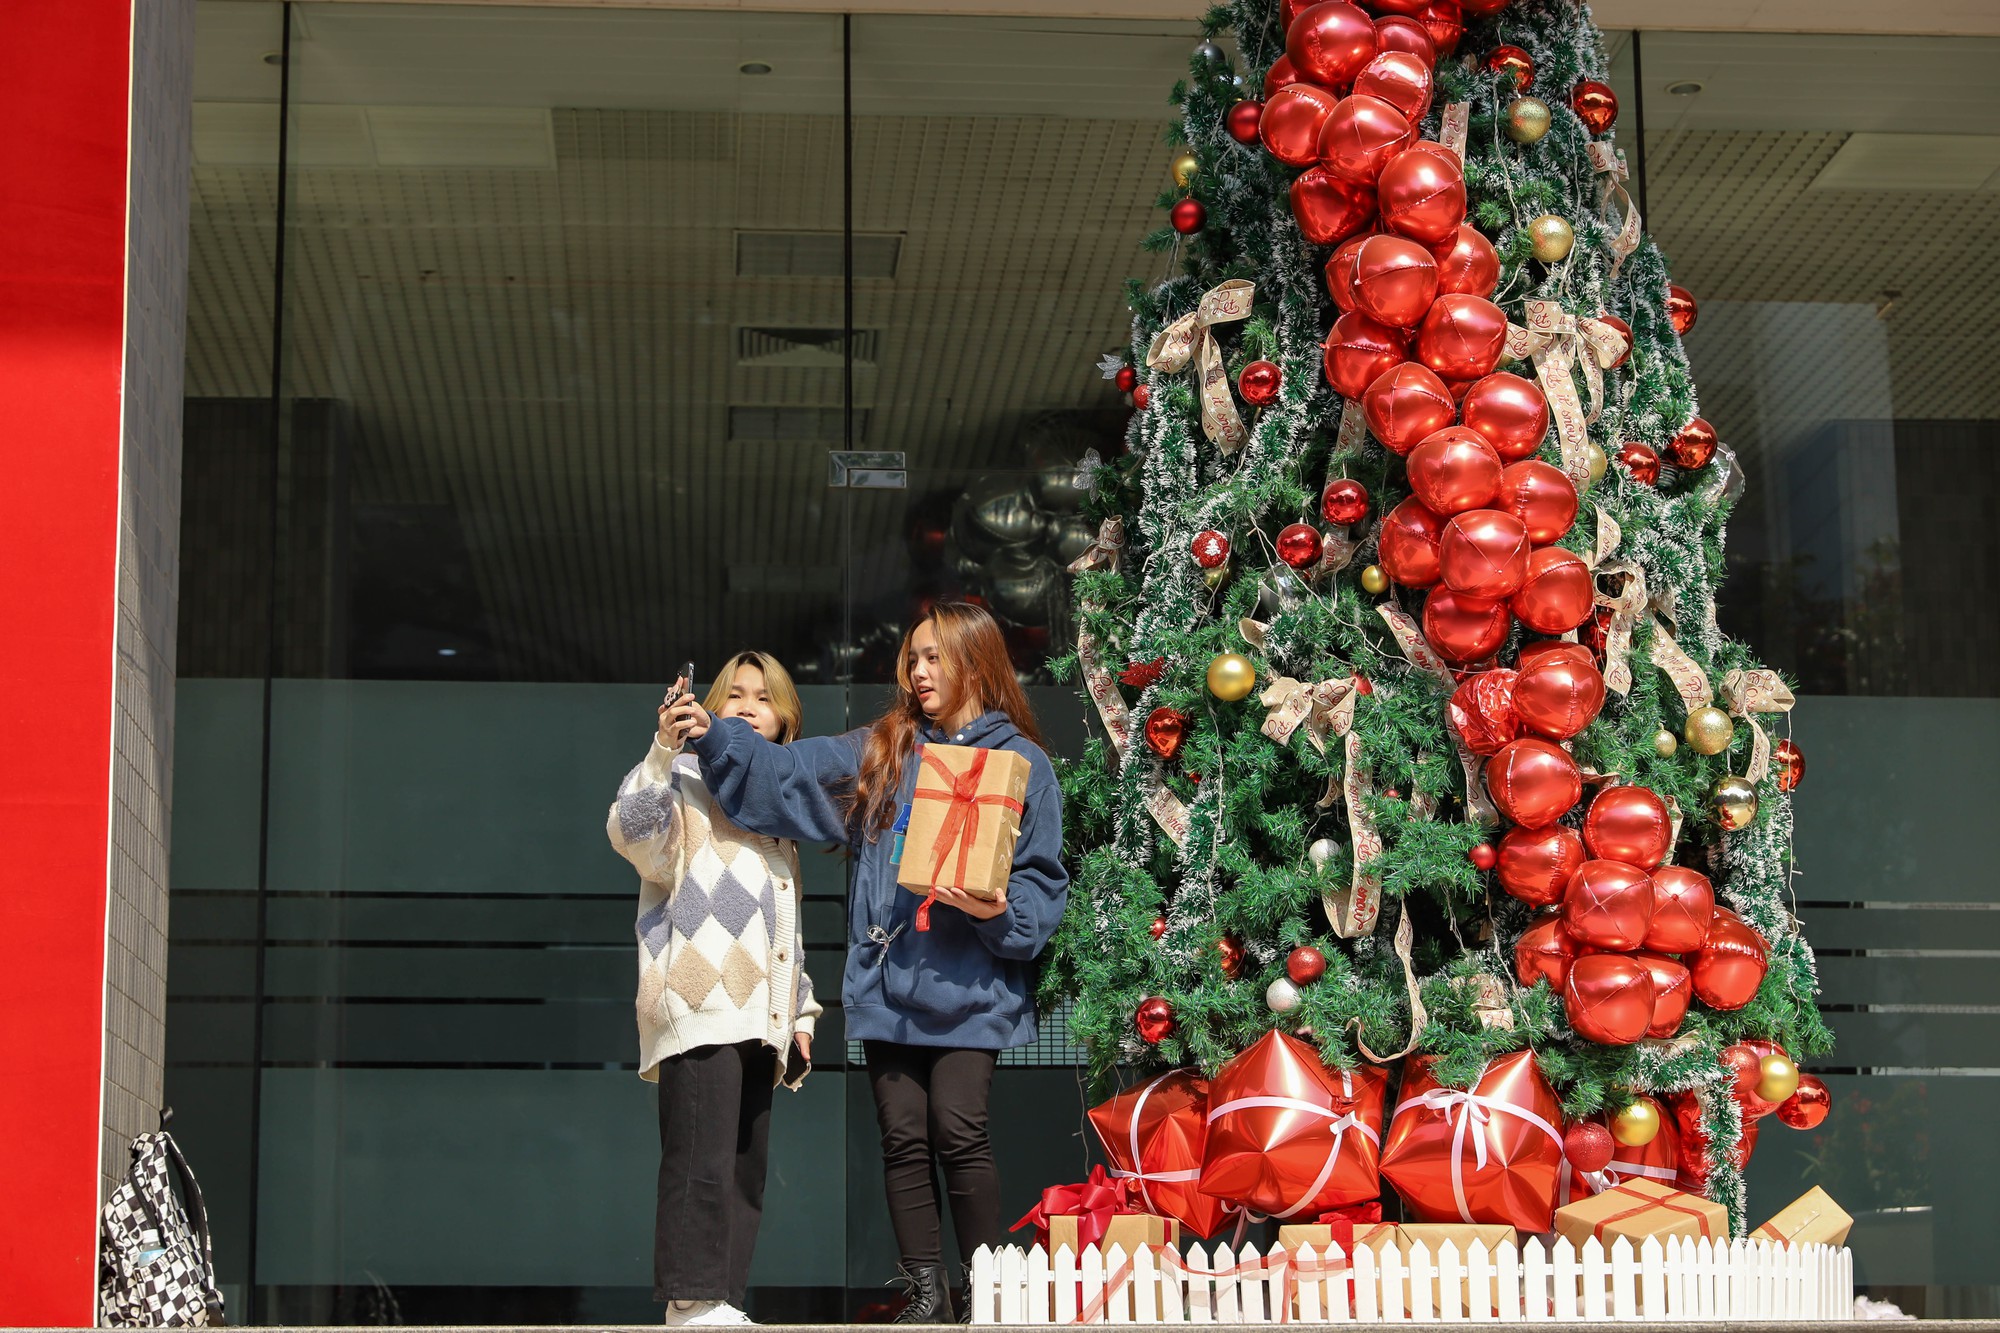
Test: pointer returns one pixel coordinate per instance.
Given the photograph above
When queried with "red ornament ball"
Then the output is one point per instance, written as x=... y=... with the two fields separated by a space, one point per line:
x=1513 y=62
x=1422 y=195
x=1558 y=694
x=1673 y=989
x=1542 y=497
x=1683 y=905
x=1210 y=548
x=1484 y=553
x=1639 y=459
x=1467 y=262
x=1400 y=32
x=1483 y=855
x=1259 y=383
x=1595 y=105
x=1290 y=122
x=1188 y=216
x=1629 y=824
x=1166 y=731
x=1230 y=948
x=1300 y=545
x=1393 y=280
x=1544 y=953
x=1731 y=964
x=1127 y=379
x=1359 y=350
x=1681 y=308
x=1142 y=397
x=1462 y=336
x=1533 y=782
x=1158 y=928
x=1454 y=470
x=1745 y=1065
x=1330 y=42
x=1327 y=210
x=1155 y=1019
x=1362 y=133
x=1609 y=999
x=1481 y=710
x=1399 y=78
x=1409 y=544
x=1693 y=445
x=1405 y=405
x=1344 y=502
x=1808 y=1107
x=1589 y=1146
x=1537 y=864
x=1464 y=629
x=1790 y=761
x=1510 y=412
x=1305 y=965
x=1623 y=328
x=1242 y=120
x=1607 y=905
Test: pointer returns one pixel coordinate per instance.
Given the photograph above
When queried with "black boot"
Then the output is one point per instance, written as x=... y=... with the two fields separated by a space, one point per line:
x=929 y=1288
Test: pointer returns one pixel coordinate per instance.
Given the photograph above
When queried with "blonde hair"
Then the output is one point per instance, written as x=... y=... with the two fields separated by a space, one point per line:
x=777 y=683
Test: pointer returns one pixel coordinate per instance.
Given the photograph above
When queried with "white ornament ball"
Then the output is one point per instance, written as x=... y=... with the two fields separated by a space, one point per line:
x=1281 y=996
x=1322 y=851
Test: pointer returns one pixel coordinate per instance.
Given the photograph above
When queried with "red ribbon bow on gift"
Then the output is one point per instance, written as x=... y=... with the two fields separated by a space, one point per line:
x=961 y=820
x=1093 y=1204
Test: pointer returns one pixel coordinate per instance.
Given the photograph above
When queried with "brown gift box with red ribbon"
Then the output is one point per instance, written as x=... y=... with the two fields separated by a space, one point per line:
x=1636 y=1209
x=1812 y=1218
x=964 y=819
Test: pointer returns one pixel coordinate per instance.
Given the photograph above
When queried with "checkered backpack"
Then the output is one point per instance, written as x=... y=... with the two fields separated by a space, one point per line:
x=155 y=1269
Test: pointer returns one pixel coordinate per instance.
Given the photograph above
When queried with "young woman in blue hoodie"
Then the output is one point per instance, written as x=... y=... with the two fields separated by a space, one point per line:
x=933 y=1008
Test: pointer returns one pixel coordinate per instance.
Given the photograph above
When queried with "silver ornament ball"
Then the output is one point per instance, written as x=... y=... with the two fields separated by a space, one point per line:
x=1281 y=996
x=1322 y=851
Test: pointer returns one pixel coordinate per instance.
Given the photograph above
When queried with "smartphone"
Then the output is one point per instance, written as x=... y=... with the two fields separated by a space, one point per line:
x=687 y=674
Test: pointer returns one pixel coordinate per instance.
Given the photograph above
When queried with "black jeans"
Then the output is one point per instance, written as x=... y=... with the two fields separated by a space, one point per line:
x=931 y=1103
x=715 y=1134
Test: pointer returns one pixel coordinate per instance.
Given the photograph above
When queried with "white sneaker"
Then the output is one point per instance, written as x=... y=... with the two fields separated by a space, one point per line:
x=704 y=1313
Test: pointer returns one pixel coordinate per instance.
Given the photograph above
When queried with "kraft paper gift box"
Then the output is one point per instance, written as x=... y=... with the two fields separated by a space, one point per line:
x=1636 y=1209
x=1461 y=1234
x=1128 y=1231
x=964 y=819
x=1377 y=1236
x=1811 y=1219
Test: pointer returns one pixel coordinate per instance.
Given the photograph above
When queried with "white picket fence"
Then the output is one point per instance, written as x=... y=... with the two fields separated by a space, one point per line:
x=1680 y=1280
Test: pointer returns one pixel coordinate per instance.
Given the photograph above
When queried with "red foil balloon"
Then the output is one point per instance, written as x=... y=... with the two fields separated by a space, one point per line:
x=1467 y=262
x=1683 y=905
x=1533 y=782
x=1291 y=120
x=1464 y=629
x=1607 y=906
x=1484 y=553
x=1242 y=120
x=1673 y=988
x=1359 y=350
x=1510 y=412
x=1482 y=9
x=1422 y=195
x=1409 y=544
x=1693 y=445
x=1629 y=824
x=1405 y=405
x=1277 y=1139
x=1609 y=999
x=1558 y=696
x=1399 y=78
x=1755 y=1107
x=1623 y=328
x=1682 y=310
x=1340 y=269
x=1407 y=8
x=1330 y=42
x=1344 y=502
x=1595 y=104
x=1541 y=496
x=1544 y=951
x=1731 y=963
x=1491 y=1154
x=1656 y=1160
x=1556 y=595
x=1445 y=22
x=1808 y=1107
x=1395 y=32
x=1693 y=1166
x=1462 y=336
x=1393 y=280
x=1537 y=864
x=1573 y=652
x=1328 y=210
x=1481 y=710
x=1153 y=1133
x=1454 y=470
x=1362 y=133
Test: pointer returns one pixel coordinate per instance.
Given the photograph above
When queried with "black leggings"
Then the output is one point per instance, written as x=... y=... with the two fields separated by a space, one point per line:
x=931 y=1103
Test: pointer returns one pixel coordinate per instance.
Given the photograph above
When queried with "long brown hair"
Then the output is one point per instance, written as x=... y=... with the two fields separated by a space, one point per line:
x=975 y=661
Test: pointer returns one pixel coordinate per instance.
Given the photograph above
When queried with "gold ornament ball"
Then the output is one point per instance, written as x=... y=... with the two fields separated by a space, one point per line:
x=1709 y=730
x=1636 y=1123
x=1231 y=677
x=1734 y=803
x=1375 y=580
x=1528 y=119
x=1184 y=169
x=1216 y=577
x=1553 y=238
x=1599 y=461
x=1778 y=1078
x=1665 y=743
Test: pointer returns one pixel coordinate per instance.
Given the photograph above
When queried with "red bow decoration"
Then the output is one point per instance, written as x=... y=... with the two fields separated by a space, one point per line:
x=961 y=820
x=1093 y=1203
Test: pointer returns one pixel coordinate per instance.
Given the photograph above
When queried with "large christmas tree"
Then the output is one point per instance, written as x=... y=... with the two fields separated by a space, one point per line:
x=1420 y=735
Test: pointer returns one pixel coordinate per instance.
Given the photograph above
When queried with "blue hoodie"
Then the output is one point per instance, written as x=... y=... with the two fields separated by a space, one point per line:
x=964 y=982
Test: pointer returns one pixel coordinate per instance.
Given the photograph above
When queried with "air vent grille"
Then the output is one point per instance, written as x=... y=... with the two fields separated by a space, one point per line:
x=816 y=254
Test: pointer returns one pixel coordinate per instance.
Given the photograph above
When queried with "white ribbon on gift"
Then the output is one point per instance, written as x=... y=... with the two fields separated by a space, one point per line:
x=1464 y=1110
x=1161 y=1177
x=1342 y=1122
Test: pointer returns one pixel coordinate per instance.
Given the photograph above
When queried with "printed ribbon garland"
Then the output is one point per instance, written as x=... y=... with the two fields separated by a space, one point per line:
x=1748 y=693
x=961 y=820
x=1464 y=1110
x=1327 y=707
x=1457 y=120
x=1610 y=164
x=1192 y=338
x=1557 y=340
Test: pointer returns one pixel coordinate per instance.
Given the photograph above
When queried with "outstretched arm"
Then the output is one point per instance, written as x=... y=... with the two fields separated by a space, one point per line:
x=781 y=791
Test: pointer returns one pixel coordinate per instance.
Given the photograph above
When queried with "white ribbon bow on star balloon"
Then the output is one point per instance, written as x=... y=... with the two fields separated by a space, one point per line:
x=1192 y=338
x=1464 y=1111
